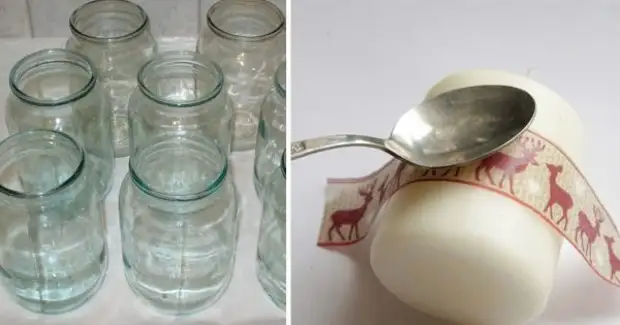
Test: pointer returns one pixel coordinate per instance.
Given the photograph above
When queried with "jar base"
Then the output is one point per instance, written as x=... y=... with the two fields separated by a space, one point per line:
x=67 y=305
x=275 y=289
x=156 y=301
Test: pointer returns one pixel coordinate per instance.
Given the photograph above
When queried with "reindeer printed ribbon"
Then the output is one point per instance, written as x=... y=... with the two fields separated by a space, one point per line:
x=532 y=171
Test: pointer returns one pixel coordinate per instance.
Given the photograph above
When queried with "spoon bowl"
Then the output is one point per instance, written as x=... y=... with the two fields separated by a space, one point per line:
x=453 y=128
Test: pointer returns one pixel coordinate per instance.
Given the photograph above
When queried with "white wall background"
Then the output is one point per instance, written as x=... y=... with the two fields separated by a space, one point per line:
x=50 y=18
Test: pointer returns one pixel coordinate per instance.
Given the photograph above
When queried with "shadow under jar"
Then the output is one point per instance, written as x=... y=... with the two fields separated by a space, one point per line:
x=53 y=254
x=57 y=89
x=115 y=35
x=180 y=94
x=271 y=256
x=246 y=38
x=178 y=213
x=271 y=137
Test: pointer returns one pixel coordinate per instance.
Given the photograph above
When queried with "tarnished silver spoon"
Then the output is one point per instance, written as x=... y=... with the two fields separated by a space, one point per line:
x=453 y=128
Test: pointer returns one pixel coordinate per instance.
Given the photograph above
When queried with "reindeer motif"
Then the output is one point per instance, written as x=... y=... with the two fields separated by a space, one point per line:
x=392 y=185
x=558 y=195
x=382 y=189
x=433 y=171
x=351 y=217
x=592 y=231
x=614 y=261
x=509 y=165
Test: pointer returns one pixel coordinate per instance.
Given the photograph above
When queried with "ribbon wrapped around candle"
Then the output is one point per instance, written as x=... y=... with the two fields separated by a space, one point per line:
x=512 y=207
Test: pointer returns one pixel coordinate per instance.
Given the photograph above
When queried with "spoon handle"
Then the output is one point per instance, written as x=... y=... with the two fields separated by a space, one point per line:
x=306 y=147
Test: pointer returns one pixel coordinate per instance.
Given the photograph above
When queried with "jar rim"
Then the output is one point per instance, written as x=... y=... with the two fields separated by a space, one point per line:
x=236 y=37
x=47 y=56
x=58 y=188
x=96 y=39
x=210 y=188
x=191 y=59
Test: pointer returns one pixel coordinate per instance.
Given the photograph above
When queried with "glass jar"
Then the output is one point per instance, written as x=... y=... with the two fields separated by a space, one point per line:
x=246 y=39
x=271 y=256
x=178 y=213
x=271 y=138
x=56 y=89
x=115 y=35
x=180 y=94
x=53 y=254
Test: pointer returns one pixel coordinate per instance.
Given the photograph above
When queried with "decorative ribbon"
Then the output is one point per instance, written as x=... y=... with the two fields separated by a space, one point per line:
x=533 y=172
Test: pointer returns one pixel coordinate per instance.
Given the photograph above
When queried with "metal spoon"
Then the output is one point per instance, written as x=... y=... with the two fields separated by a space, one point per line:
x=453 y=128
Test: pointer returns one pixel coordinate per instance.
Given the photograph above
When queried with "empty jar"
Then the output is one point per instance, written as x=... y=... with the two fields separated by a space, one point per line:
x=271 y=138
x=178 y=213
x=57 y=89
x=180 y=94
x=247 y=39
x=271 y=257
x=115 y=35
x=52 y=244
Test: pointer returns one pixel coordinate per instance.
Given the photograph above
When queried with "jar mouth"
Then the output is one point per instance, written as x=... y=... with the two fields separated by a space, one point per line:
x=52 y=77
x=247 y=20
x=179 y=168
x=39 y=163
x=280 y=79
x=180 y=79
x=108 y=20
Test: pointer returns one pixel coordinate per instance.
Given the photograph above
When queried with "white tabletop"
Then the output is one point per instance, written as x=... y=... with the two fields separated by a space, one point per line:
x=358 y=65
x=244 y=303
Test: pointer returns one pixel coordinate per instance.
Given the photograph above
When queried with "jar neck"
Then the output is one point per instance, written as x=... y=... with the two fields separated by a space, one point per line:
x=104 y=21
x=181 y=79
x=39 y=163
x=52 y=77
x=176 y=168
x=245 y=20
x=280 y=80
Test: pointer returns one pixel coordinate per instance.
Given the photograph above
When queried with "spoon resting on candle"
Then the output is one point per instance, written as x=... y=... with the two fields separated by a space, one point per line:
x=453 y=128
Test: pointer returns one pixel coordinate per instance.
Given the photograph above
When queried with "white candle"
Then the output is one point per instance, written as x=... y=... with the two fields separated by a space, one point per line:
x=466 y=254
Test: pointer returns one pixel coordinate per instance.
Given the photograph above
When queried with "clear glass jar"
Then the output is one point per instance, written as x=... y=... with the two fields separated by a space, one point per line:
x=53 y=254
x=271 y=256
x=180 y=94
x=178 y=213
x=246 y=38
x=56 y=89
x=115 y=35
x=271 y=137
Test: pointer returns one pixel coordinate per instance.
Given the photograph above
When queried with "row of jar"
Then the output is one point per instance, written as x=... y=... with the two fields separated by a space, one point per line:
x=179 y=94
x=246 y=38
x=178 y=246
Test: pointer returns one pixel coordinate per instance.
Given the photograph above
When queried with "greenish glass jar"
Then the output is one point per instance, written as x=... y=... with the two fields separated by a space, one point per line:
x=57 y=89
x=116 y=36
x=180 y=94
x=271 y=137
x=179 y=225
x=247 y=39
x=53 y=252
x=271 y=255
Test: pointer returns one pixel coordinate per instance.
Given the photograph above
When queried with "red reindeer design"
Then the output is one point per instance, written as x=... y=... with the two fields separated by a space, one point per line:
x=509 y=165
x=433 y=171
x=592 y=231
x=614 y=261
x=351 y=217
x=558 y=195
